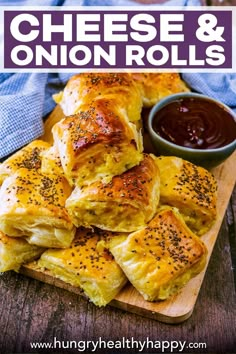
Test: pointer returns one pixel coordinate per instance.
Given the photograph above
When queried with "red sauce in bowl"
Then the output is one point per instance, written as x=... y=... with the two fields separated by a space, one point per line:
x=195 y=123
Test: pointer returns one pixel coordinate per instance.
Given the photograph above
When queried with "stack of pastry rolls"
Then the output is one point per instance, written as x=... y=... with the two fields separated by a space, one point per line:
x=98 y=209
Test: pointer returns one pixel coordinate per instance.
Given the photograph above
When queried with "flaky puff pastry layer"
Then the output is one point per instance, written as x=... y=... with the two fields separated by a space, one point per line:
x=33 y=206
x=155 y=86
x=28 y=157
x=16 y=251
x=97 y=143
x=125 y=204
x=86 y=87
x=161 y=258
x=191 y=189
x=88 y=266
x=51 y=162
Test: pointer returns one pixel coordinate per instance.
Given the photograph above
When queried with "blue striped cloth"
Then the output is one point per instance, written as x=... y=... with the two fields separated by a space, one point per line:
x=26 y=98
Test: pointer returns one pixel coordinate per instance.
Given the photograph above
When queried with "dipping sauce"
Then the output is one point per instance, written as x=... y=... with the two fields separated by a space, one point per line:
x=195 y=123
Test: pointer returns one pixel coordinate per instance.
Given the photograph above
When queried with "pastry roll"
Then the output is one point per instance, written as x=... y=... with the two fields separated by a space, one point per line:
x=191 y=189
x=155 y=86
x=28 y=157
x=125 y=204
x=161 y=258
x=16 y=251
x=51 y=162
x=55 y=116
x=86 y=87
x=97 y=143
x=84 y=265
x=33 y=206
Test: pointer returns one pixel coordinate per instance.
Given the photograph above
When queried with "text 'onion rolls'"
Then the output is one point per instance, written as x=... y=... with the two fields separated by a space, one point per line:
x=125 y=204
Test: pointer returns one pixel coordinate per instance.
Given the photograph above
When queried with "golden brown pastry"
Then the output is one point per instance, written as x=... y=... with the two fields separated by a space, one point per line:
x=97 y=143
x=125 y=204
x=161 y=258
x=16 y=251
x=155 y=86
x=86 y=87
x=51 y=162
x=28 y=157
x=191 y=189
x=55 y=116
x=84 y=265
x=33 y=206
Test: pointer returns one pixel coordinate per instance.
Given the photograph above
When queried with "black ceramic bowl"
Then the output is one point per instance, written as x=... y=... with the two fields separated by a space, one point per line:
x=206 y=157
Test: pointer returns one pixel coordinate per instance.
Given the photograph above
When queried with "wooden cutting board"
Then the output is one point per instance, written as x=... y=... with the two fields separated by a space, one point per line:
x=179 y=307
